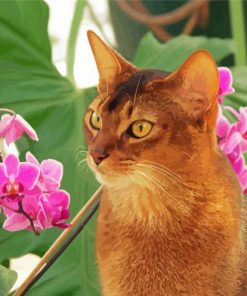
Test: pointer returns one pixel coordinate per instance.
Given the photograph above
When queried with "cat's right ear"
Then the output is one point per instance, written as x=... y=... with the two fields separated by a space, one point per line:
x=109 y=63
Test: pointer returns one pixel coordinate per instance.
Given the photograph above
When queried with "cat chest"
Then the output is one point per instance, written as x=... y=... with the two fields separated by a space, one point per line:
x=134 y=260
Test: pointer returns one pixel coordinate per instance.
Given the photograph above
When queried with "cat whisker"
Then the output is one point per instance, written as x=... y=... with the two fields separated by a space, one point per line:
x=81 y=147
x=165 y=170
x=80 y=152
x=155 y=181
x=138 y=83
x=171 y=177
x=82 y=162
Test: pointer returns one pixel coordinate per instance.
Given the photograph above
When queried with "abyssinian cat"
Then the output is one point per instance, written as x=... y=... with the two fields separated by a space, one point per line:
x=170 y=215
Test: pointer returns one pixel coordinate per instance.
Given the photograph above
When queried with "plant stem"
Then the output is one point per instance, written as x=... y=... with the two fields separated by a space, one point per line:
x=238 y=30
x=59 y=242
x=7 y=110
x=74 y=29
x=21 y=211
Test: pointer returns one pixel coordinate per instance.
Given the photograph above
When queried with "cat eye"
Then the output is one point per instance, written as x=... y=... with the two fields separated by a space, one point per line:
x=95 y=121
x=140 y=129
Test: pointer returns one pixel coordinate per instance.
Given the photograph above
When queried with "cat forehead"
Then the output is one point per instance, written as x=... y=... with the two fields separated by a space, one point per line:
x=134 y=86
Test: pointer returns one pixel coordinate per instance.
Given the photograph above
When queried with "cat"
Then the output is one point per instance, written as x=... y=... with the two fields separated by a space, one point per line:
x=170 y=216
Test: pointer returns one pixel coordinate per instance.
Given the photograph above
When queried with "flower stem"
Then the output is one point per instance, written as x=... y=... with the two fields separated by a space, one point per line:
x=7 y=110
x=21 y=211
x=61 y=241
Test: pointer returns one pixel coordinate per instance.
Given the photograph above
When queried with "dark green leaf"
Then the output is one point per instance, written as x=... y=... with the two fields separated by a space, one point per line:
x=32 y=86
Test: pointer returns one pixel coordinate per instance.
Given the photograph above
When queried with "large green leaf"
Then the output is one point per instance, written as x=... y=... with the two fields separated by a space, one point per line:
x=32 y=86
x=7 y=280
x=152 y=54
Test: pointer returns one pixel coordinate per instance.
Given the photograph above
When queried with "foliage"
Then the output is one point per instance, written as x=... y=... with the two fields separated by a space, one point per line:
x=31 y=85
x=7 y=279
x=152 y=54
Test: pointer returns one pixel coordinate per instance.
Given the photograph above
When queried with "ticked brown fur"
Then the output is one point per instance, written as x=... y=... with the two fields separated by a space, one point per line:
x=171 y=218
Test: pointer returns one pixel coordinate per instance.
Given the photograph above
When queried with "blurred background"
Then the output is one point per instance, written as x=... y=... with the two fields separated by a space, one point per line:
x=48 y=74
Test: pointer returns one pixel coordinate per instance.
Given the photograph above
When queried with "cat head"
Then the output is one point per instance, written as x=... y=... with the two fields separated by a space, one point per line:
x=148 y=119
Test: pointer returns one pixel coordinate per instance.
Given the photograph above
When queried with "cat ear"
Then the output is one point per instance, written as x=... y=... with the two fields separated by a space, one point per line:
x=109 y=63
x=199 y=86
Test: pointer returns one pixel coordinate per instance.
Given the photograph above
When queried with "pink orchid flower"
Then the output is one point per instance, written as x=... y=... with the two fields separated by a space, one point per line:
x=51 y=172
x=233 y=142
x=55 y=209
x=13 y=126
x=241 y=124
x=16 y=178
x=17 y=221
x=30 y=195
x=45 y=211
x=225 y=83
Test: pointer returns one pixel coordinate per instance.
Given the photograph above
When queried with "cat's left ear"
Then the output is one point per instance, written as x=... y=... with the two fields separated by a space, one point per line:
x=110 y=64
x=199 y=85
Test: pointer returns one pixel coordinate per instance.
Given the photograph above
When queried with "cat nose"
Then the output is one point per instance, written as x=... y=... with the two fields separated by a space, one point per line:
x=98 y=155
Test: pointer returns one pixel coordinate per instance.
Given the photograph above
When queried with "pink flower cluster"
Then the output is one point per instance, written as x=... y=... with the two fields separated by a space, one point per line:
x=30 y=194
x=232 y=137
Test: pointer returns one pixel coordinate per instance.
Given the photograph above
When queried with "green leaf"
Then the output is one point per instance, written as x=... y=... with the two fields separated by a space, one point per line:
x=239 y=97
x=168 y=56
x=32 y=86
x=7 y=279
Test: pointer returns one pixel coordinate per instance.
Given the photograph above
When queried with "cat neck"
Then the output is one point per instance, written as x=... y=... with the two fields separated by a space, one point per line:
x=157 y=199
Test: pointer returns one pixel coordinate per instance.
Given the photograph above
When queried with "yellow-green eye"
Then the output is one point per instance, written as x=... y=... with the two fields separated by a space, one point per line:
x=141 y=128
x=95 y=121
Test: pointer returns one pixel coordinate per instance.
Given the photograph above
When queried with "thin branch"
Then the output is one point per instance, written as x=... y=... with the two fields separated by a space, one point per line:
x=163 y=19
x=161 y=33
x=22 y=211
x=59 y=252
x=61 y=240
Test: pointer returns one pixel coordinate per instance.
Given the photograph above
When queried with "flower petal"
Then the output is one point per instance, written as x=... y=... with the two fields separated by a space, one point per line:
x=16 y=222
x=9 y=206
x=12 y=165
x=244 y=146
x=235 y=154
x=223 y=127
x=53 y=169
x=225 y=79
x=59 y=198
x=231 y=143
x=242 y=124
x=31 y=158
x=23 y=125
x=47 y=183
x=5 y=124
x=28 y=175
x=3 y=177
x=239 y=165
